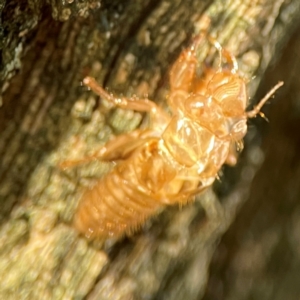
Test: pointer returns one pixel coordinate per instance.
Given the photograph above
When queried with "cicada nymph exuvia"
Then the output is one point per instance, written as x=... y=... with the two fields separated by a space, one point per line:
x=178 y=156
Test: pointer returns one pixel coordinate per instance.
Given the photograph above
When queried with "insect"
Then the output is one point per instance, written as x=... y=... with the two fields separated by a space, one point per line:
x=178 y=156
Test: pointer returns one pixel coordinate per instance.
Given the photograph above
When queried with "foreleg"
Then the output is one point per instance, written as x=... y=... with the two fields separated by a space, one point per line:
x=183 y=70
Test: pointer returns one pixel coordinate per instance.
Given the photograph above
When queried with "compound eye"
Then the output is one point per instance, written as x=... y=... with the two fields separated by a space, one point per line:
x=239 y=129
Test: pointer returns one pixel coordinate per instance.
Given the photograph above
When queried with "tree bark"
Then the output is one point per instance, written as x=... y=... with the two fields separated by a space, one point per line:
x=47 y=117
x=260 y=252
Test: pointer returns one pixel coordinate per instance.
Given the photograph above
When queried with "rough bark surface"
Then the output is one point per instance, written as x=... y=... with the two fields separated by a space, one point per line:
x=46 y=116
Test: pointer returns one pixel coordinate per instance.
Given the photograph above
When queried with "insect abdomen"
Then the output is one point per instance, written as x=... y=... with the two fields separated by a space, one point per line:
x=115 y=205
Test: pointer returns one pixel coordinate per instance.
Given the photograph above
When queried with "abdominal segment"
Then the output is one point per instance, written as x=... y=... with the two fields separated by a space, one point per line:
x=113 y=207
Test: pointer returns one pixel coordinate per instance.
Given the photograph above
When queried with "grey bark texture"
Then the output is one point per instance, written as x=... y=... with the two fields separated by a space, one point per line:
x=46 y=117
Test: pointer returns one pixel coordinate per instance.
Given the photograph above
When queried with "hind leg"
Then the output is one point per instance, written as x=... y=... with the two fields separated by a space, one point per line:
x=118 y=148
